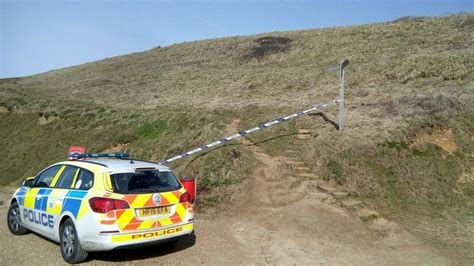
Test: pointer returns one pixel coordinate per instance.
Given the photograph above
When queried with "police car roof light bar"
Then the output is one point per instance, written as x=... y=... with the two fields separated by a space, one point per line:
x=98 y=155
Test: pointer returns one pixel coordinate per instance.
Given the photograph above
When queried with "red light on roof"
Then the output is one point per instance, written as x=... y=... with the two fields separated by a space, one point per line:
x=76 y=150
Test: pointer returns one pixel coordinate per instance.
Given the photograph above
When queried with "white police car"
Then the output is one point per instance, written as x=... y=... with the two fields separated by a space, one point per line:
x=102 y=204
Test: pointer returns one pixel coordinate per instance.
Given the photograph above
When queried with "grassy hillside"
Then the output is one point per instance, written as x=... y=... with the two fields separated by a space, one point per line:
x=408 y=146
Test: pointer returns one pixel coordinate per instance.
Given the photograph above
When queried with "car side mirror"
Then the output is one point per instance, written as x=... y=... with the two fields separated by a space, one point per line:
x=29 y=182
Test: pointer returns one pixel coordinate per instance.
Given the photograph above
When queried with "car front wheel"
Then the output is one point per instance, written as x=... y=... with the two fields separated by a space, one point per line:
x=71 y=249
x=14 y=220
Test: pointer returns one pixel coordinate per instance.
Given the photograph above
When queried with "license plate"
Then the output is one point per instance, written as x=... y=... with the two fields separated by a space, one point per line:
x=153 y=211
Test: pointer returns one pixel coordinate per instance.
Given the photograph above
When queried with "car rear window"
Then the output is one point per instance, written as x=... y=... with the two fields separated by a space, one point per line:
x=151 y=181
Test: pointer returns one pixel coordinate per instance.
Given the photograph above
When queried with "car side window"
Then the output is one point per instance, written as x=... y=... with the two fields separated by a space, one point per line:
x=46 y=177
x=67 y=177
x=85 y=180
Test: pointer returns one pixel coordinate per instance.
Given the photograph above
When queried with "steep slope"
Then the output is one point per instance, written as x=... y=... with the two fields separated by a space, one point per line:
x=407 y=150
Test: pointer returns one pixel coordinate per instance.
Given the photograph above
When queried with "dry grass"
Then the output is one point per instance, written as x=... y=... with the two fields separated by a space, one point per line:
x=214 y=75
x=446 y=67
x=467 y=21
x=405 y=78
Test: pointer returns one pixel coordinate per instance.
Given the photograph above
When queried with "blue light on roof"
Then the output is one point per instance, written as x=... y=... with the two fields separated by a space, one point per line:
x=98 y=155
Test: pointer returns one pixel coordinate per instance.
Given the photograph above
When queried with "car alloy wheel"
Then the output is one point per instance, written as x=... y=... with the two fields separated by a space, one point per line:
x=14 y=220
x=68 y=240
x=71 y=248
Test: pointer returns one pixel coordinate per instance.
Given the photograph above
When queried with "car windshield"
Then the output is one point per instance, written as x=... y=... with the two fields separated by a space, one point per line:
x=150 y=181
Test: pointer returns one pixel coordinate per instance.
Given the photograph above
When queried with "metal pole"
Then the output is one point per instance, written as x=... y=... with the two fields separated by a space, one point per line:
x=339 y=101
x=342 y=66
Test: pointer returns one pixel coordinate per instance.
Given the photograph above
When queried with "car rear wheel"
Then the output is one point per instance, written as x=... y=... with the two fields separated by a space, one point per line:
x=14 y=220
x=71 y=249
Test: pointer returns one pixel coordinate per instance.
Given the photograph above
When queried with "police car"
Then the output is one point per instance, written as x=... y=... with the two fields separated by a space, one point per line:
x=102 y=204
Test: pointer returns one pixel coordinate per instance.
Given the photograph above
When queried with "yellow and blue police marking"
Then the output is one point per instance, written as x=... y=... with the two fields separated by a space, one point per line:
x=41 y=199
x=72 y=202
x=35 y=206
x=37 y=210
x=20 y=195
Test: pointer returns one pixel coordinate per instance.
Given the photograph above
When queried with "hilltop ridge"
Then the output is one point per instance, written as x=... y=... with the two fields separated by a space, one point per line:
x=407 y=149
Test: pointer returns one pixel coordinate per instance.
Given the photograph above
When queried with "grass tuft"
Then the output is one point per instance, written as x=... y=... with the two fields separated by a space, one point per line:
x=446 y=67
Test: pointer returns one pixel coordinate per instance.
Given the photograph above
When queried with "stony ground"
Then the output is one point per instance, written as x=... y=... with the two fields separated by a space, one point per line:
x=304 y=232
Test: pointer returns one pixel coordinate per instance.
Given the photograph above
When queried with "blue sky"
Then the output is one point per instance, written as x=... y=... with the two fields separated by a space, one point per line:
x=37 y=36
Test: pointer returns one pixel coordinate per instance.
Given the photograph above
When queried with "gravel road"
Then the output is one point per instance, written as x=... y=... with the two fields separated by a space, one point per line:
x=305 y=232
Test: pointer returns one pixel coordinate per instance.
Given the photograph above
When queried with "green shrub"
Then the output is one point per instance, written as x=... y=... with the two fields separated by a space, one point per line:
x=125 y=137
x=336 y=171
x=398 y=145
x=150 y=130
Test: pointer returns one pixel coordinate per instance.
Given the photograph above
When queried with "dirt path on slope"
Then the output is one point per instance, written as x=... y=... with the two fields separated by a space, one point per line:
x=284 y=215
x=290 y=216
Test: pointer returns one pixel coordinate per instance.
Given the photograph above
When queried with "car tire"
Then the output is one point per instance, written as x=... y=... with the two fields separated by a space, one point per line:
x=14 y=222
x=71 y=248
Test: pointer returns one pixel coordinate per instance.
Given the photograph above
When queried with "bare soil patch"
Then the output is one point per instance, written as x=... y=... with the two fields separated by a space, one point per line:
x=269 y=45
x=44 y=120
x=442 y=138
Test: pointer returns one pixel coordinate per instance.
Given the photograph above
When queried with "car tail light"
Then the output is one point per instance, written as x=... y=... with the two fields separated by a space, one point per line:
x=185 y=197
x=105 y=205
